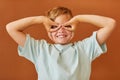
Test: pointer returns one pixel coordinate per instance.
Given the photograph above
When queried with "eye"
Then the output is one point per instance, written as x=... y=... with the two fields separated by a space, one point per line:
x=53 y=27
x=68 y=26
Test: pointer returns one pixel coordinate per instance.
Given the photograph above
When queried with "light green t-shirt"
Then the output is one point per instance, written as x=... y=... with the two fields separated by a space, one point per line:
x=62 y=62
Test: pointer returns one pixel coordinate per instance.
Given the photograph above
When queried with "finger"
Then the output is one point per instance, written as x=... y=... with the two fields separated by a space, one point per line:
x=47 y=27
x=50 y=25
x=54 y=28
x=69 y=27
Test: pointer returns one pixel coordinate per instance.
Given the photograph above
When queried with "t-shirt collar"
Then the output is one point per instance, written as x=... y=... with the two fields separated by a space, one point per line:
x=61 y=47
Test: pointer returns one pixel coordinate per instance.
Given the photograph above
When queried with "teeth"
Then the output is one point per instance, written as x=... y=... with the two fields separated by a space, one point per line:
x=61 y=36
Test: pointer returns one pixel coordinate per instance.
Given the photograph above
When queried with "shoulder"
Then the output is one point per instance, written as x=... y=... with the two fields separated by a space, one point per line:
x=87 y=40
x=33 y=41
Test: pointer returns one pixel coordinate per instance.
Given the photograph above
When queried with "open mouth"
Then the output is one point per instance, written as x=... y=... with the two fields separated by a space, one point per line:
x=61 y=36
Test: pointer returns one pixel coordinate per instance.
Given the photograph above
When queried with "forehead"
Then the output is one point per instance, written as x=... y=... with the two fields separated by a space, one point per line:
x=62 y=18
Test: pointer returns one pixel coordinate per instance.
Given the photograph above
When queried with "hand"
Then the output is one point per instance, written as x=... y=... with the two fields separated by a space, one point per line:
x=71 y=24
x=50 y=25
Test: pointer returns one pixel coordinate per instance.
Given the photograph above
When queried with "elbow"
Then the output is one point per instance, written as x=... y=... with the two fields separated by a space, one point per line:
x=113 y=23
x=8 y=27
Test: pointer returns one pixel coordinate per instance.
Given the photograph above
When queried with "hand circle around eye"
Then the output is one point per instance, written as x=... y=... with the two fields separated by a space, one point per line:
x=68 y=26
x=54 y=28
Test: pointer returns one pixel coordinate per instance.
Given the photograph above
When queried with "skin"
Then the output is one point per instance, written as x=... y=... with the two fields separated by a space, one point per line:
x=61 y=34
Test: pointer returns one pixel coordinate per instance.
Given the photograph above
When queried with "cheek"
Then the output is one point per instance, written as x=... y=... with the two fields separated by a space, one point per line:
x=51 y=35
x=71 y=35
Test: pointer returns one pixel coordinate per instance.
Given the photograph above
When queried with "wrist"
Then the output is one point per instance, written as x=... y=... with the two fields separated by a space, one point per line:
x=39 y=19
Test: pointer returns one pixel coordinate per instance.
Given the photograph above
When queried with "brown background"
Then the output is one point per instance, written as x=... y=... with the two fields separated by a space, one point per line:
x=13 y=67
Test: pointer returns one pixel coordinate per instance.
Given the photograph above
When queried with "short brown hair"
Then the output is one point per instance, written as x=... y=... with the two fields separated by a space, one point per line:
x=57 y=11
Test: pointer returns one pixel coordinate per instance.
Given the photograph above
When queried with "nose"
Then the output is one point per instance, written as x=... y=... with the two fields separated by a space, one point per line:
x=61 y=29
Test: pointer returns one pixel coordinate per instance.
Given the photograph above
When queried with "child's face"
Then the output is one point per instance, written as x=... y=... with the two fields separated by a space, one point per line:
x=61 y=35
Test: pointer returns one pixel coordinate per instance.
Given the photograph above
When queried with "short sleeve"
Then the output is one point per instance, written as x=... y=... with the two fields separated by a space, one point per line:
x=92 y=47
x=30 y=49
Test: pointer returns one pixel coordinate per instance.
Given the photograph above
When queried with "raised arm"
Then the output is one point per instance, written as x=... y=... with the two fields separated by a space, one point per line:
x=16 y=28
x=106 y=24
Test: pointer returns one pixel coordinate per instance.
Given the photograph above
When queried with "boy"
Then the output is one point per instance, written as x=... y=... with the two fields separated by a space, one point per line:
x=62 y=60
